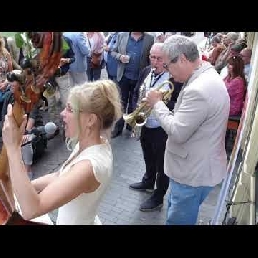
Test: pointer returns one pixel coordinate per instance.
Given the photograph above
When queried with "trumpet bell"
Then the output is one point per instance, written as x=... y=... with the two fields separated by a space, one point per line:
x=129 y=119
x=140 y=119
x=48 y=93
x=49 y=90
x=135 y=119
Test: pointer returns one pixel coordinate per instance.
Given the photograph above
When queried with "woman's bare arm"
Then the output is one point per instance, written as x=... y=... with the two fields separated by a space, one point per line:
x=42 y=182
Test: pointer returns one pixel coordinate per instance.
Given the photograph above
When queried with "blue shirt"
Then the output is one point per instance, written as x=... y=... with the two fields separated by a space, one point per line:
x=134 y=50
x=111 y=62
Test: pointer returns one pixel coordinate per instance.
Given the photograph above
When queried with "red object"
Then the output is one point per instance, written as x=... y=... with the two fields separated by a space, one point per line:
x=204 y=57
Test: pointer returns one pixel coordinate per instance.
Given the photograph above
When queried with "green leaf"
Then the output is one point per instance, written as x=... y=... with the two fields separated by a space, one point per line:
x=19 y=40
x=8 y=34
x=65 y=46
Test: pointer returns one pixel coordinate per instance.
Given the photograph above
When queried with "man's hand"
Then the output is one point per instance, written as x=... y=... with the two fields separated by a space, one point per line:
x=106 y=48
x=64 y=61
x=153 y=97
x=3 y=85
x=25 y=138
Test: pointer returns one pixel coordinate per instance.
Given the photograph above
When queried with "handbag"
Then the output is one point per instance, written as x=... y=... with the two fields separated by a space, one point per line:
x=95 y=61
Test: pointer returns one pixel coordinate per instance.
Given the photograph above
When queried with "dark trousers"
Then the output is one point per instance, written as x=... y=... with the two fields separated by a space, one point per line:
x=111 y=77
x=153 y=142
x=93 y=74
x=126 y=87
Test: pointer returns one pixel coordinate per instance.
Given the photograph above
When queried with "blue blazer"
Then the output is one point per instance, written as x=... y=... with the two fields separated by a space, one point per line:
x=80 y=50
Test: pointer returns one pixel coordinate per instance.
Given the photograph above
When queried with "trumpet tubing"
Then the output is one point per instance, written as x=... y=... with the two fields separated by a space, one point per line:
x=139 y=116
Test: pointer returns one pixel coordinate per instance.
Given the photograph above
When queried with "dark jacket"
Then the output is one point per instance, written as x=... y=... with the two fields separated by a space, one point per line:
x=143 y=74
x=122 y=40
x=68 y=54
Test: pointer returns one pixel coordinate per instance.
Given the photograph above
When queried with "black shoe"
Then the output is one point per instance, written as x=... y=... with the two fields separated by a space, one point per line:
x=141 y=187
x=151 y=204
x=114 y=134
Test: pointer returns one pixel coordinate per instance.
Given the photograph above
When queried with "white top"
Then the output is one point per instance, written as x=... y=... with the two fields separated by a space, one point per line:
x=83 y=209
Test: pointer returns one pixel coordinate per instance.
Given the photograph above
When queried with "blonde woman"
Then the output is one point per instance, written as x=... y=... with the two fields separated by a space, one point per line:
x=77 y=189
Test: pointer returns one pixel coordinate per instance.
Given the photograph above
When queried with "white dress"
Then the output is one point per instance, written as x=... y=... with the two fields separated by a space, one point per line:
x=83 y=209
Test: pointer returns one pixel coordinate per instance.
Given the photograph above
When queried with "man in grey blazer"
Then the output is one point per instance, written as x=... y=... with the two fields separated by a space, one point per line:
x=195 y=156
x=132 y=53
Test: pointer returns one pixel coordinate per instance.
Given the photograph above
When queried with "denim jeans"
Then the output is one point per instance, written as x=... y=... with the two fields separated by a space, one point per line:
x=184 y=202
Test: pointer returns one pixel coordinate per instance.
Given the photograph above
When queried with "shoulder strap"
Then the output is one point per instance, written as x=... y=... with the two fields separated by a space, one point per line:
x=89 y=42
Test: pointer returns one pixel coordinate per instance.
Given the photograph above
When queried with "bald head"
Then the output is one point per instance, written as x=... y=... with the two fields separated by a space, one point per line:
x=157 y=46
x=230 y=38
x=156 y=57
x=246 y=55
x=233 y=36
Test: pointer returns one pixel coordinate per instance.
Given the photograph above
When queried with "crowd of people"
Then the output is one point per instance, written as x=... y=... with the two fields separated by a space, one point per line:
x=183 y=140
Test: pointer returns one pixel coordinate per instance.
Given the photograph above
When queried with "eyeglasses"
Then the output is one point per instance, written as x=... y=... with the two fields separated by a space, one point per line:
x=158 y=58
x=173 y=61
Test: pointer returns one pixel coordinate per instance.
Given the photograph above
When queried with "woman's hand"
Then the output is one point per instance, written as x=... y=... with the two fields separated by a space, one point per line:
x=11 y=133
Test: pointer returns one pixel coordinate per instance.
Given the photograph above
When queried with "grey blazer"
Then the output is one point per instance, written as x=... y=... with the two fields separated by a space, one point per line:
x=122 y=40
x=195 y=151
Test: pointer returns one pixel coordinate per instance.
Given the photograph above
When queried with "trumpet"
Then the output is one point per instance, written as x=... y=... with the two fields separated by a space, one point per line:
x=50 y=90
x=138 y=118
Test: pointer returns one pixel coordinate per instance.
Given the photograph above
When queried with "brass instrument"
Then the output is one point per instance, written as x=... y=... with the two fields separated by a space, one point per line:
x=50 y=90
x=138 y=118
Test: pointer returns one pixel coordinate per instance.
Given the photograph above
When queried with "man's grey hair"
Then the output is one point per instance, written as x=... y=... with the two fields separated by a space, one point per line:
x=233 y=36
x=177 y=45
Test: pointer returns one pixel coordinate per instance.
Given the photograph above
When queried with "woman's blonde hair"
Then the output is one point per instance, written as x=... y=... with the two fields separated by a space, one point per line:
x=101 y=98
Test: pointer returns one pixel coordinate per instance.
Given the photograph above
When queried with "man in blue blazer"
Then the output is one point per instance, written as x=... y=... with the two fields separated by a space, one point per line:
x=79 y=66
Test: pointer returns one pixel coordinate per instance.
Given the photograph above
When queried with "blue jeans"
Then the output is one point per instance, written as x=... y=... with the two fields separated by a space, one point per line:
x=184 y=202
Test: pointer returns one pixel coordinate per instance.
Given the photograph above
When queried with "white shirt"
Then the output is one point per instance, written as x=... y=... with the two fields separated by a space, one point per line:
x=150 y=83
x=83 y=209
